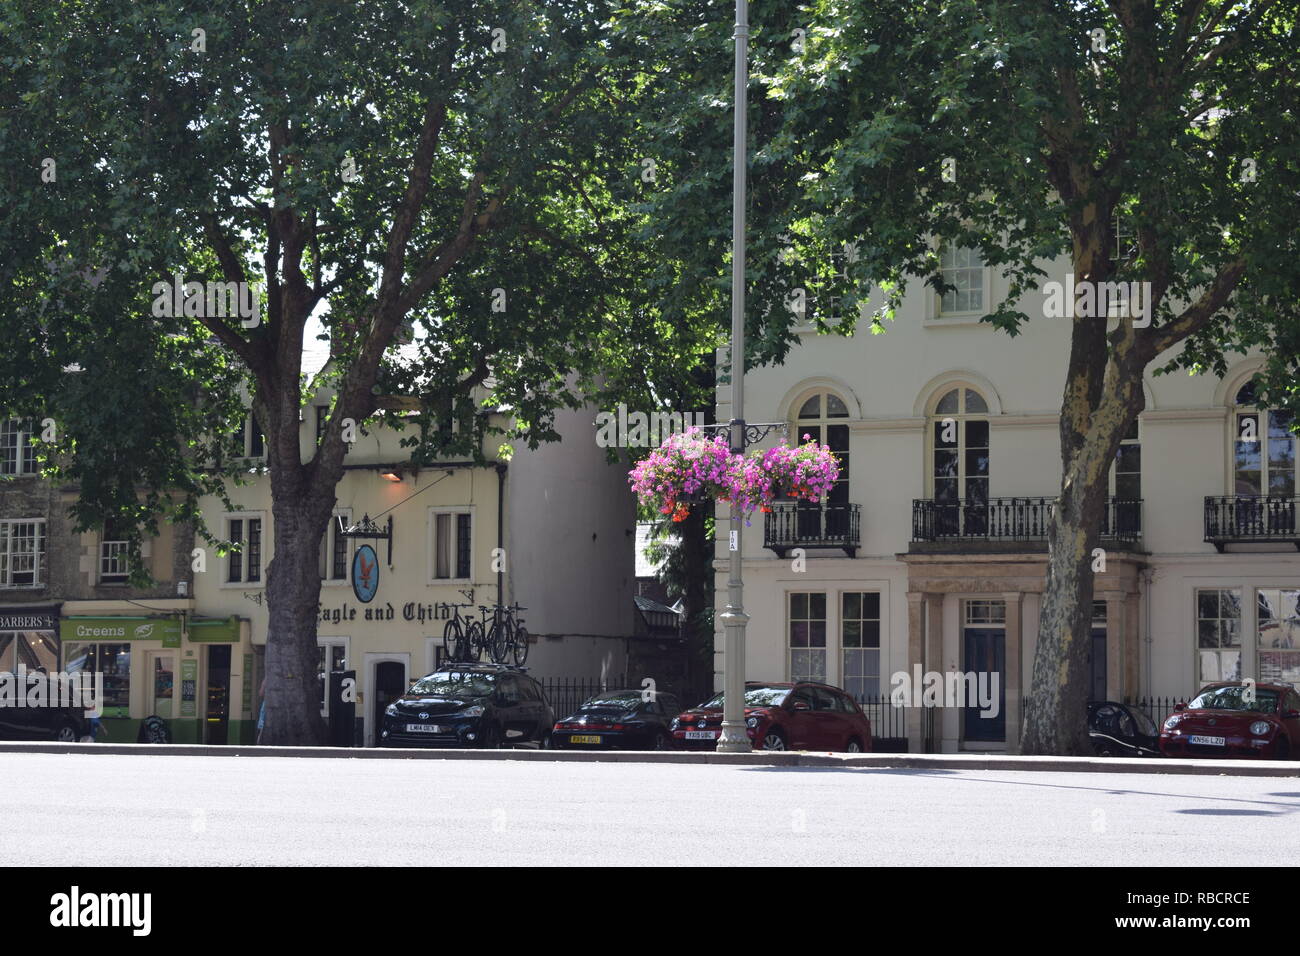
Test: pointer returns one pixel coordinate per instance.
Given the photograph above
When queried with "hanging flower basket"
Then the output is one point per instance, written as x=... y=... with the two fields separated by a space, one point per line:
x=689 y=469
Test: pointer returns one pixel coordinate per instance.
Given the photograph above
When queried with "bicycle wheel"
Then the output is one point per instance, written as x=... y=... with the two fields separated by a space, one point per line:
x=453 y=637
x=473 y=641
x=499 y=642
x=521 y=645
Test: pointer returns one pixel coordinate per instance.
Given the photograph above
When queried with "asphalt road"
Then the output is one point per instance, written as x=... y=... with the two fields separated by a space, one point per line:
x=83 y=809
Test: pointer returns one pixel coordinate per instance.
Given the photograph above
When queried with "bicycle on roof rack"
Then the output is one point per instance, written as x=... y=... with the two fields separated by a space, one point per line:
x=506 y=636
x=461 y=637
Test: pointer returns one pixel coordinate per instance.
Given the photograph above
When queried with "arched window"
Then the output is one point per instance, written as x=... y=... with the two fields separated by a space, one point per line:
x=960 y=461
x=1263 y=448
x=822 y=417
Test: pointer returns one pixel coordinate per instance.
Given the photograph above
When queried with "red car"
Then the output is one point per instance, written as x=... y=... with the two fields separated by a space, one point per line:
x=1235 y=720
x=801 y=716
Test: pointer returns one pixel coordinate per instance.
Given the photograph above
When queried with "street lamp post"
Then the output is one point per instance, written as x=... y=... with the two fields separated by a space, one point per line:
x=734 y=738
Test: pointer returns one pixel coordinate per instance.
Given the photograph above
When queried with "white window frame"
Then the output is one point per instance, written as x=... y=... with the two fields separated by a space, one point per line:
x=24 y=454
x=246 y=433
x=7 y=552
x=430 y=538
x=113 y=552
x=935 y=312
x=228 y=517
x=961 y=417
x=827 y=621
x=327 y=641
x=327 y=551
x=841 y=677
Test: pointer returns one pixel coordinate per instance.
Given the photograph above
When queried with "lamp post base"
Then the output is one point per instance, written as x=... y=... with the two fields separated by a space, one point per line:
x=734 y=739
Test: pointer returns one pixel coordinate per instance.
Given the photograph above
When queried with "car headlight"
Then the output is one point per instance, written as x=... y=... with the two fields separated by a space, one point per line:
x=391 y=710
x=753 y=722
x=1173 y=721
x=475 y=711
x=1260 y=728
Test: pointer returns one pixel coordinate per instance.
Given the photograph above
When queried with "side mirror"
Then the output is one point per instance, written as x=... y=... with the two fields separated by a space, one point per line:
x=1180 y=706
x=801 y=705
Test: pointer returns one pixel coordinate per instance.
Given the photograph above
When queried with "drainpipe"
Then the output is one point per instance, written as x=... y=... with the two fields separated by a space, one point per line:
x=501 y=508
x=1147 y=575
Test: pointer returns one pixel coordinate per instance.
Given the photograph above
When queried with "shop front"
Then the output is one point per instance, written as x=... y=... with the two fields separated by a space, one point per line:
x=29 y=635
x=187 y=671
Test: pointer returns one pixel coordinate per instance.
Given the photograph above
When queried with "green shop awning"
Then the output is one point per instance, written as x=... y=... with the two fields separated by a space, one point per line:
x=164 y=629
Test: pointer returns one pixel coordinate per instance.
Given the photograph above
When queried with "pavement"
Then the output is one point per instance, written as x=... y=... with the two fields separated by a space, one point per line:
x=150 y=808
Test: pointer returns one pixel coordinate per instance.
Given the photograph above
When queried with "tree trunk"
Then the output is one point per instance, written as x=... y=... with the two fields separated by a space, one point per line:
x=293 y=593
x=1056 y=710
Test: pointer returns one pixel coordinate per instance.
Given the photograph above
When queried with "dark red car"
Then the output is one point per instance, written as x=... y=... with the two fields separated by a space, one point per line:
x=1235 y=720
x=800 y=716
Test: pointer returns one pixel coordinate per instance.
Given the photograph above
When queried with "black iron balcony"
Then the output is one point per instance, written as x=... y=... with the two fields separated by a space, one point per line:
x=1251 y=519
x=1013 y=519
x=812 y=526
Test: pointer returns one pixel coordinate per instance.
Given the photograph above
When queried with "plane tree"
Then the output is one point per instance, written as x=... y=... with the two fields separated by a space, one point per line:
x=456 y=178
x=1146 y=142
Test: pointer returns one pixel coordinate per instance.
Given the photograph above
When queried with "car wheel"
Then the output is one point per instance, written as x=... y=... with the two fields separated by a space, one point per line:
x=774 y=740
x=662 y=742
x=1283 y=749
x=66 y=733
x=854 y=747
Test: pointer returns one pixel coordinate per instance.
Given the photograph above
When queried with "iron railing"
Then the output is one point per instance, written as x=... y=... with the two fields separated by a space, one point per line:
x=810 y=525
x=566 y=694
x=1013 y=519
x=1250 y=518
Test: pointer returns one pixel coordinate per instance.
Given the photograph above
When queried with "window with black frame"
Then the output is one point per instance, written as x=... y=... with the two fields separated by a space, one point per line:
x=960 y=464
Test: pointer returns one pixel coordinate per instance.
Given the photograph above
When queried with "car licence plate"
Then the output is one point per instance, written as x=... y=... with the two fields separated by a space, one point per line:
x=1208 y=741
x=423 y=729
x=701 y=735
x=584 y=739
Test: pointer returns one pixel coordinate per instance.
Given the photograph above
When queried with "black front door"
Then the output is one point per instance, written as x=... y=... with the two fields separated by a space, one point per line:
x=390 y=684
x=218 y=704
x=1097 y=664
x=986 y=659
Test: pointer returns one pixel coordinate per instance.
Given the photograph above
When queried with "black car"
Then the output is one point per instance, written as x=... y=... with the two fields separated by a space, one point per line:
x=469 y=705
x=1117 y=730
x=27 y=722
x=619 y=720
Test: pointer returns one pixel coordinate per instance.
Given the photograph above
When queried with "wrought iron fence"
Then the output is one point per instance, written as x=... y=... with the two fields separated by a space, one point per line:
x=1250 y=518
x=565 y=694
x=1157 y=708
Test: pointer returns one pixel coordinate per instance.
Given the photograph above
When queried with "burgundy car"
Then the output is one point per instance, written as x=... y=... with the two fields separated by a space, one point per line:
x=800 y=716
x=1235 y=720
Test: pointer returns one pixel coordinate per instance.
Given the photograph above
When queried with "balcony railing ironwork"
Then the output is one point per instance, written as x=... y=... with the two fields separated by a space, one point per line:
x=1250 y=519
x=1013 y=519
x=813 y=526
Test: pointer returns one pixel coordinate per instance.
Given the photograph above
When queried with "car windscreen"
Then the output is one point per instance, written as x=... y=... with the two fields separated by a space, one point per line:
x=755 y=697
x=454 y=684
x=1236 y=697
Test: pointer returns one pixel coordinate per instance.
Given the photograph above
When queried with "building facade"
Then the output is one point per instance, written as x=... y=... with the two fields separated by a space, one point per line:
x=930 y=553
x=549 y=529
x=66 y=605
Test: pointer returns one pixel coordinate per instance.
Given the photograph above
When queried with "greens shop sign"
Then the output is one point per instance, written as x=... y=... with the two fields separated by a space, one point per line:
x=164 y=629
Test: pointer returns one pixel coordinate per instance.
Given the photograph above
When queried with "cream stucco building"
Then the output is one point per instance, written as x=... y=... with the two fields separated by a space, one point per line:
x=931 y=551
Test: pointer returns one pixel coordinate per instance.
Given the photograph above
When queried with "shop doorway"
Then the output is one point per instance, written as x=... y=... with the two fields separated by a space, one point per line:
x=160 y=666
x=386 y=682
x=218 y=694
